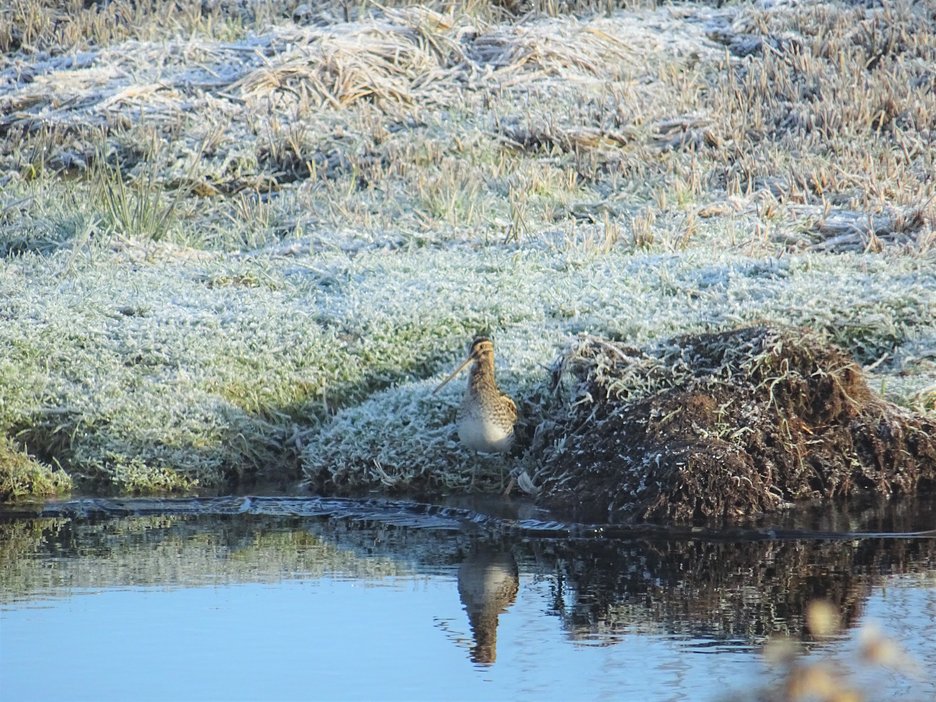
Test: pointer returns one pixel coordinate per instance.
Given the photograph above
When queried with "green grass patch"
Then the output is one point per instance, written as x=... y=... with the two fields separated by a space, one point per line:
x=23 y=477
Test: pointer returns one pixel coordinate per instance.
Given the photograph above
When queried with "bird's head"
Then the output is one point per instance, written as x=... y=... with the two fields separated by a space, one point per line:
x=481 y=346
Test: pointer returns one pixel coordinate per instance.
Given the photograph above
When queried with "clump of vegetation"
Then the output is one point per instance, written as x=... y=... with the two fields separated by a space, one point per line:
x=721 y=426
x=22 y=476
x=133 y=476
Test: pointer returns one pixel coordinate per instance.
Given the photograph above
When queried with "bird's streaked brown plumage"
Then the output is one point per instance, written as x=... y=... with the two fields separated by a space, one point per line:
x=487 y=416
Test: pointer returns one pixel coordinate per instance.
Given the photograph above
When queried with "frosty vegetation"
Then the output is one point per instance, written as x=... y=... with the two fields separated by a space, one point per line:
x=245 y=240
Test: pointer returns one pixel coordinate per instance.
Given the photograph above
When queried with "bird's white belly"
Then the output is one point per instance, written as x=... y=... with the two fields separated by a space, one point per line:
x=480 y=434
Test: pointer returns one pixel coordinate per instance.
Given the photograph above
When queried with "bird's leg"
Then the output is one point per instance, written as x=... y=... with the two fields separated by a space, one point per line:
x=510 y=486
x=510 y=483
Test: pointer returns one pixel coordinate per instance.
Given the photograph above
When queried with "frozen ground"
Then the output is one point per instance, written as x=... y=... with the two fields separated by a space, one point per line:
x=252 y=243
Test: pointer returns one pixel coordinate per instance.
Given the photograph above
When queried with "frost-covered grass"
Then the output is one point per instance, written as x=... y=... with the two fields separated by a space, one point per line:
x=252 y=243
x=169 y=372
x=403 y=436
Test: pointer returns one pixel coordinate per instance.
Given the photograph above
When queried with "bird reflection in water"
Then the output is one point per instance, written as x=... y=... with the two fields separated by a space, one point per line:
x=488 y=581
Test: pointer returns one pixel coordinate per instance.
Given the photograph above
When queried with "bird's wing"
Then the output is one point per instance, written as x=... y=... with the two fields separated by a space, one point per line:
x=511 y=405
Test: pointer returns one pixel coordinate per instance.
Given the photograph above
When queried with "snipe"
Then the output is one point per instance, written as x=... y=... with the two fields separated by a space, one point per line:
x=486 y=417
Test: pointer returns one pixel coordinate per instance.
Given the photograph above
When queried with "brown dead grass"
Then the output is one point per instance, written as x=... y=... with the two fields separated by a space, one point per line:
x=760 y=116
x=400 y=58
x=720 y=427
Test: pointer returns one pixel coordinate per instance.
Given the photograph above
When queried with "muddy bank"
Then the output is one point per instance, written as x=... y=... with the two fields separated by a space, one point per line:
x=721 y=426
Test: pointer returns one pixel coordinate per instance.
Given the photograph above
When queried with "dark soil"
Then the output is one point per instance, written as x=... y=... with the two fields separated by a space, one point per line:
x=721 y=426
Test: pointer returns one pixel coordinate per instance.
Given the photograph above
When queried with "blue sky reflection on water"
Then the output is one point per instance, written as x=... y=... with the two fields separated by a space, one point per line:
x=397 y=638
x=335 y=638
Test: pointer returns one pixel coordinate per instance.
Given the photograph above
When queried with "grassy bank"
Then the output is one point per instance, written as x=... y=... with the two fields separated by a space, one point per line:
x=251 y=244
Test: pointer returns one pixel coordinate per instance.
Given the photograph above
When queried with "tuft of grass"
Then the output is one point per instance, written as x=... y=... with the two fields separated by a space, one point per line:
x=137 y=210
x=131 y=475
x=23 y=477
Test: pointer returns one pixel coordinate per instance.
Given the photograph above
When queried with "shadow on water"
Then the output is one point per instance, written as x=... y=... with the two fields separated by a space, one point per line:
x=736 y=587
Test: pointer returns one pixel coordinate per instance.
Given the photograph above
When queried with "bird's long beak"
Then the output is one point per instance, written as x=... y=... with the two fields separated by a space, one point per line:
x=454 y=373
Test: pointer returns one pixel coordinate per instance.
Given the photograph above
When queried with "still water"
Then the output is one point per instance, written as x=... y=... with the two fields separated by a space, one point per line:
x=289 y=598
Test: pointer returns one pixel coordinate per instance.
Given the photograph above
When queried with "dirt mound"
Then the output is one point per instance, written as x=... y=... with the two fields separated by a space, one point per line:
x=721 y=426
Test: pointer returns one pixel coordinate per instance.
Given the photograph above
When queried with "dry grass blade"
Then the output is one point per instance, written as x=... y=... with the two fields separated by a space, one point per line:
x=395 y=59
